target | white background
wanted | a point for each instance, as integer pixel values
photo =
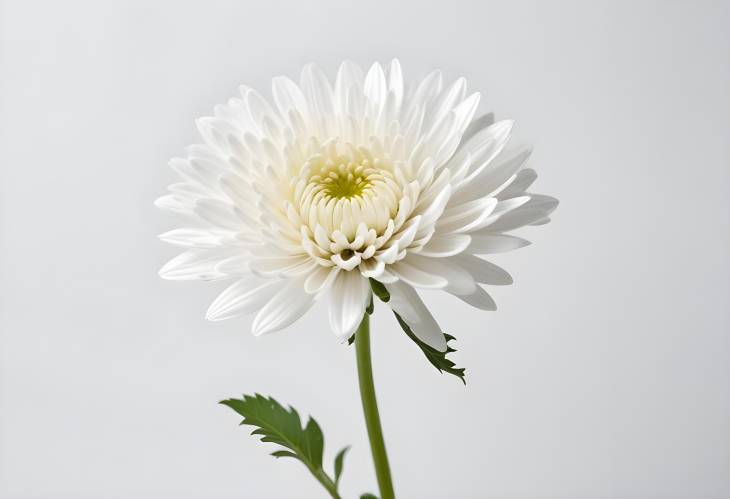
(604, 374)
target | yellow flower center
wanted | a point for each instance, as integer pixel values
(341, 186)
(342, 178)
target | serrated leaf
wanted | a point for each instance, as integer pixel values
(379, 290)
(284, 453)
(339, 463)
(276, 424)
(280, 425)
(436, 358)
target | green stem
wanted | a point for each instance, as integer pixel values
(326, 482)
(370, 408)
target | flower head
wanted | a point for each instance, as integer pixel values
(334, 184)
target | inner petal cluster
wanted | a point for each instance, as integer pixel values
(345, 200)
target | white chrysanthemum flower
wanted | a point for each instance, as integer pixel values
(335, 184)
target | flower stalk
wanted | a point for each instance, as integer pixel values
(329, 485)
(370, 409)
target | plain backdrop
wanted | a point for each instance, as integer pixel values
(604, 374)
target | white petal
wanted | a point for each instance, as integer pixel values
(445, 245)
(434, 211)
(515, 220)
(527, 214)
(459, 281)
(319, 94)
(448, 100)
(349, 77)
(258, 107)
(200, 176)
(372, 268)
(349, 297)
(483, 243)
(386, 277)
(388, 256)
(405, 237)
(479, 299)
(404, 300)
(542, 221)
(483, 148)
(417, 276)
(466, 217)
(395, 82)
(482, 271)
(219, 213)
(476, 126)
(320, 279)
(375, 90)
(493, 177)
(195, 264)
(520, 184)
(503, 208)
(214, 131)
(464, 112)
(547, 204)
(287, 96)
(439, 142)
(287, 265)
(426, 90)
(243, 297)
(193, 238)
(285, 307)
(175, 203)
(234, 266)
(348, 264)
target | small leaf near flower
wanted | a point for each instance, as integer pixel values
(339, 463)
(368, 496)
(379, 289)
(277, 424)
(436, 358)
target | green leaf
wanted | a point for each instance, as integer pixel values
(280, 425)
(379, 290)
(436, 358)
(339, 463)
(371, 306)
(368, 496)
(275, 424)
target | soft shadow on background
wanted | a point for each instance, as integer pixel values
(604, 374)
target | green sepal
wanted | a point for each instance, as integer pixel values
(379, 290)
(436, 358)
(368, 496)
